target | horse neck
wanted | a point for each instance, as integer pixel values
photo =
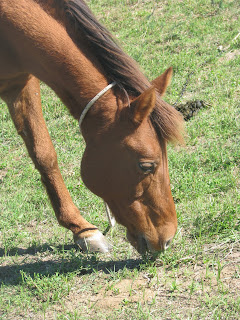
(51, 55)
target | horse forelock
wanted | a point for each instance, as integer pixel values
(119, 67)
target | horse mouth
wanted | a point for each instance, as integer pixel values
(139, 243)
(142, 245)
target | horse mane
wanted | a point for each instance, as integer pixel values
(119, 67)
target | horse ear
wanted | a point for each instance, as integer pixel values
(162, 82)
(143, 105)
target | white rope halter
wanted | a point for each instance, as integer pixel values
(91, 103)
(111, 219)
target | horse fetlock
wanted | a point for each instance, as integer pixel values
(96, 242)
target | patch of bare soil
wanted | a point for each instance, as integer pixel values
(230, 55)
(3, 173)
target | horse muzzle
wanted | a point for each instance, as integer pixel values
(143, 245)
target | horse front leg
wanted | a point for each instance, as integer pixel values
(23, 98)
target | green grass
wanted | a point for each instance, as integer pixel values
(43, 275)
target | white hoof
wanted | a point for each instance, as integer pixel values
(95, 243)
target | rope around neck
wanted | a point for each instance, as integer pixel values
(111, 219)
(91, 103)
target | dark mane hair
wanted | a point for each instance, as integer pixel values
(121, 68)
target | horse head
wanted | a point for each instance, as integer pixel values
(127, 166)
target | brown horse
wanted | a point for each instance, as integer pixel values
(126, 131)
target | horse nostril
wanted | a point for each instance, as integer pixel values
(167, 243)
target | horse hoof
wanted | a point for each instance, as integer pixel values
(95, 243)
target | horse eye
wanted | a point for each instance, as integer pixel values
(147, 167)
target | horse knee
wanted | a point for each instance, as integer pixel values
(45, 158)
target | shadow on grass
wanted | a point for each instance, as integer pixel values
(73, 261)
(33, 250)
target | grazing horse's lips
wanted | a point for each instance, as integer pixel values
(143, 245)
(140, 243)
